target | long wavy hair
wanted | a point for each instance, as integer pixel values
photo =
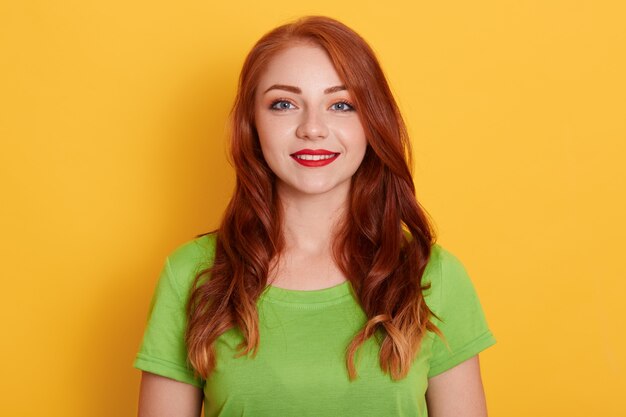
(382, 245)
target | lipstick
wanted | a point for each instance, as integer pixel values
(314, 157)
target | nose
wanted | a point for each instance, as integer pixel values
(312, 126)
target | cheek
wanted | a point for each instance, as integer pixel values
(266, 133)
(272, 141)
(271, 129)
(354, 136)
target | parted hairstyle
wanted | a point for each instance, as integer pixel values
(382, 244)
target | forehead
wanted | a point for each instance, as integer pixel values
(303, 65)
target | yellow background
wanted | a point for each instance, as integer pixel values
(112, 127)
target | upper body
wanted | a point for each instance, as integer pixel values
(311, 273)
(299, 369)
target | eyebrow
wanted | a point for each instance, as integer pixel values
(296, 90)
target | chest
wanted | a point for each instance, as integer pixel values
(300, 368)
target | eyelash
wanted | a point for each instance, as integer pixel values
(347, 103)
(280, 100)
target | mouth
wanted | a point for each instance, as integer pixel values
(314, 157)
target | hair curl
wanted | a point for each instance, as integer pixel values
(385, 225)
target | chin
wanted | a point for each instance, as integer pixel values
(316, 188)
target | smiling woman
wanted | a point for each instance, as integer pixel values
(304, 120)
(323, 292)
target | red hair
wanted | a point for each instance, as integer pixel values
(387, 273)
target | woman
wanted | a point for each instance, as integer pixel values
(323, 292)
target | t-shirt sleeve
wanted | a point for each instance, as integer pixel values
(462, 322)
(163, 350)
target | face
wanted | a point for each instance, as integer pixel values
(309, 131)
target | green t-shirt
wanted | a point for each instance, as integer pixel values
(299, 369)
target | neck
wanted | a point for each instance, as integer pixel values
(309, 221)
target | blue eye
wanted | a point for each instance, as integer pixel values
(342, 106)
(281, 105)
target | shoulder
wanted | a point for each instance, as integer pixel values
(458, 312)
(187, 260)
(446, 275)
(442, 263)
(198, 250)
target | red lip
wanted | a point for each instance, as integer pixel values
(313, 152)
(312, 163)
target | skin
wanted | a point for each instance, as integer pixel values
(301, 103)
(457, 392)
(165, 397)
(313, 198)
(305, 115)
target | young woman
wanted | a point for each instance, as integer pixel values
(323, 292)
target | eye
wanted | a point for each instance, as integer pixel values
(281, 105)
(342, 106)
